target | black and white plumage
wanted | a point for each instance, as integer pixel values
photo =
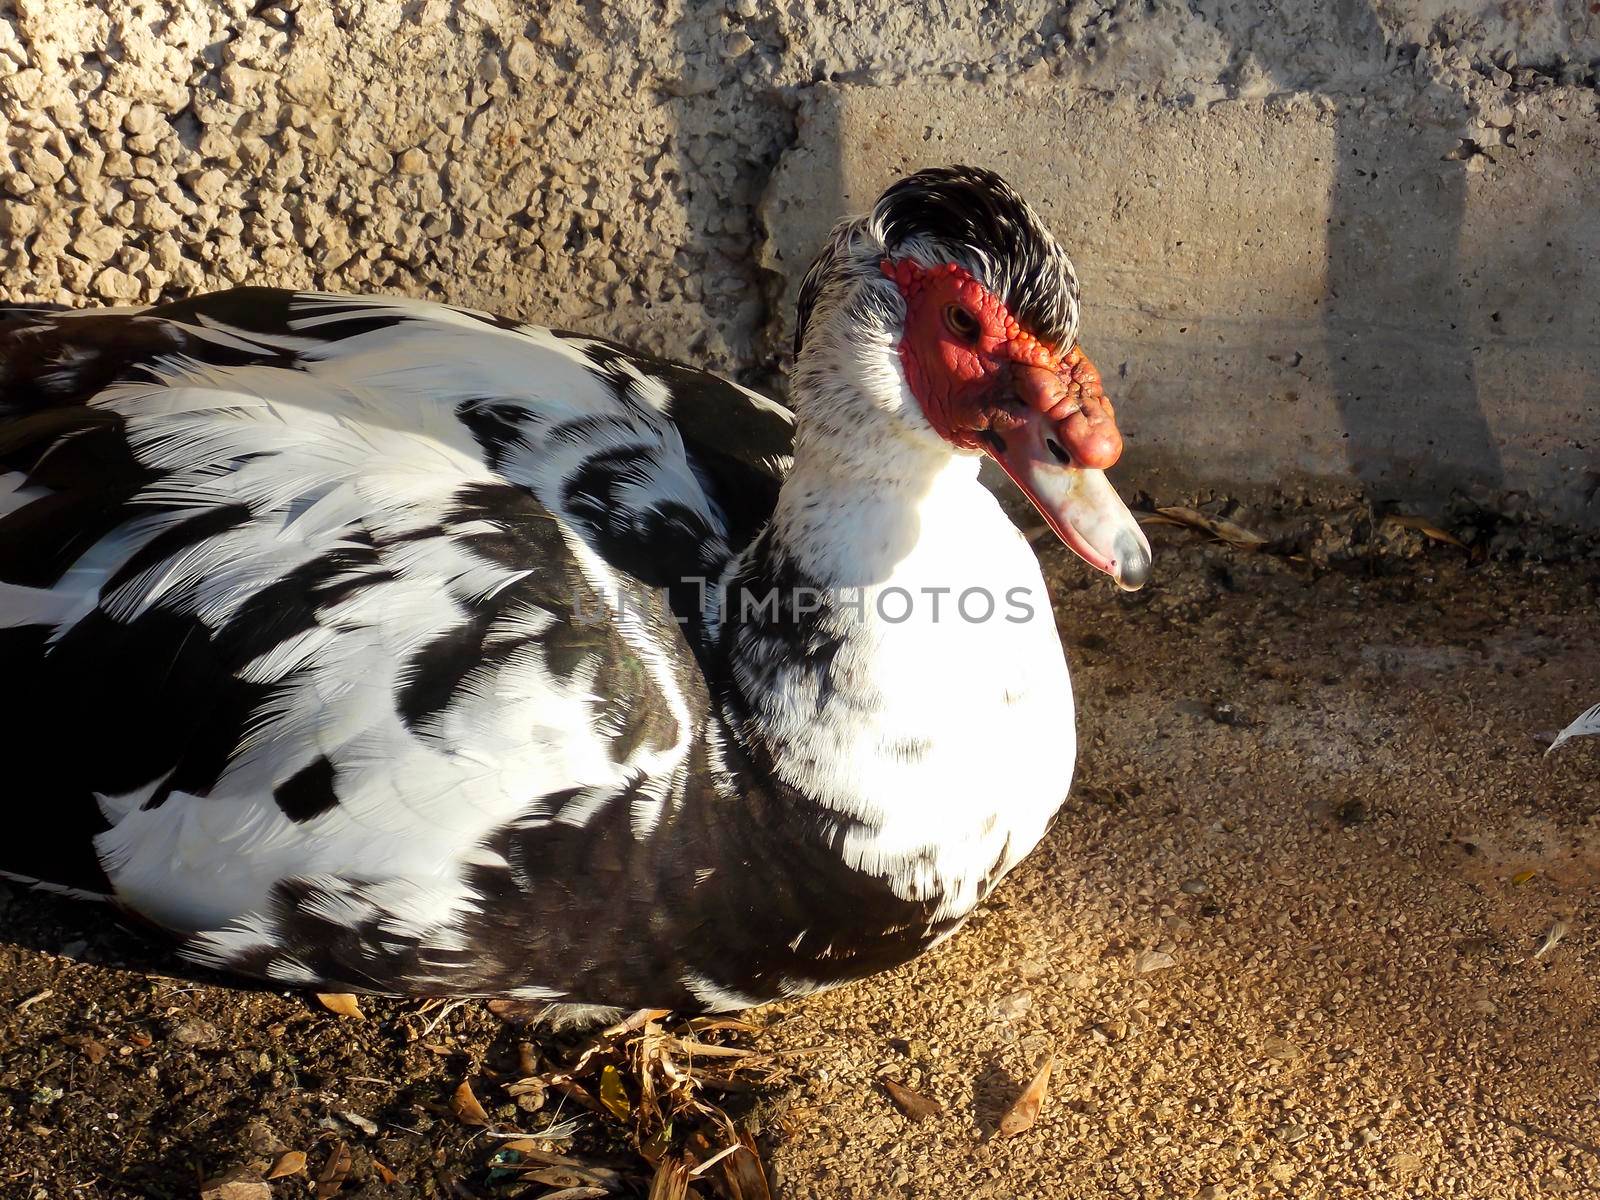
(382, 646)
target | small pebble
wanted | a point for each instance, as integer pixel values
(1152, 960)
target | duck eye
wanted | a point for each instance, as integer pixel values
(961, 323)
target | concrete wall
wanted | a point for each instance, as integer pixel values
(1286, 289)
(1341, 241)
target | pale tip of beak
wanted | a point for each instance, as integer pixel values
(1133, 563)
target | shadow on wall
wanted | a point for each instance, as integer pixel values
(1322, 283)
(1385, 393)
(730, 125)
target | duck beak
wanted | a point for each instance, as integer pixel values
(1055, 446)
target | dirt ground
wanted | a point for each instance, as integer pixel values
(1318, 919)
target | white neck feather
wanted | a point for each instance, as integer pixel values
(945, 736)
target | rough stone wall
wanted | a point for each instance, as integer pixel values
(588, 166)
(659, 172)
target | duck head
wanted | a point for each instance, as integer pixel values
(947, 320)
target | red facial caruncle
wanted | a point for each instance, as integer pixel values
(968, 362)
(985, 383)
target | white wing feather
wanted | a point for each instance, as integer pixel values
(1587, 725)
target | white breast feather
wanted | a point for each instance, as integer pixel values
(935, 825)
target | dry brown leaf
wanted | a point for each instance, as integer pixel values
(707, 1163)
(1223, 530)
(914, 1104)
(557, 1170)
(333, 1173)
(342, 1003)
(715, 1024)
(577, 1193)
(1020, 1116)
(650, 1078)
(537, 1159)
(1427, 529)
(744, 1176)
(634, 1022)
(290, 1162)
(94, 1051)
(528, 1094)
(739, 1174)
(241, 1183)
(557, 1177)
(530, 1149)
(671, 1180)
(725, 1083)
(384, 1173)
(466, 1107)
(709, 1049)
(517, 1012)
(526, 1145)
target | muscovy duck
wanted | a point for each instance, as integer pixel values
(376, 645)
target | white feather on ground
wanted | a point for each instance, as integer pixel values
(1587, 723)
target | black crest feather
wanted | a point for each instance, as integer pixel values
(971, 216)
(971, 212)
